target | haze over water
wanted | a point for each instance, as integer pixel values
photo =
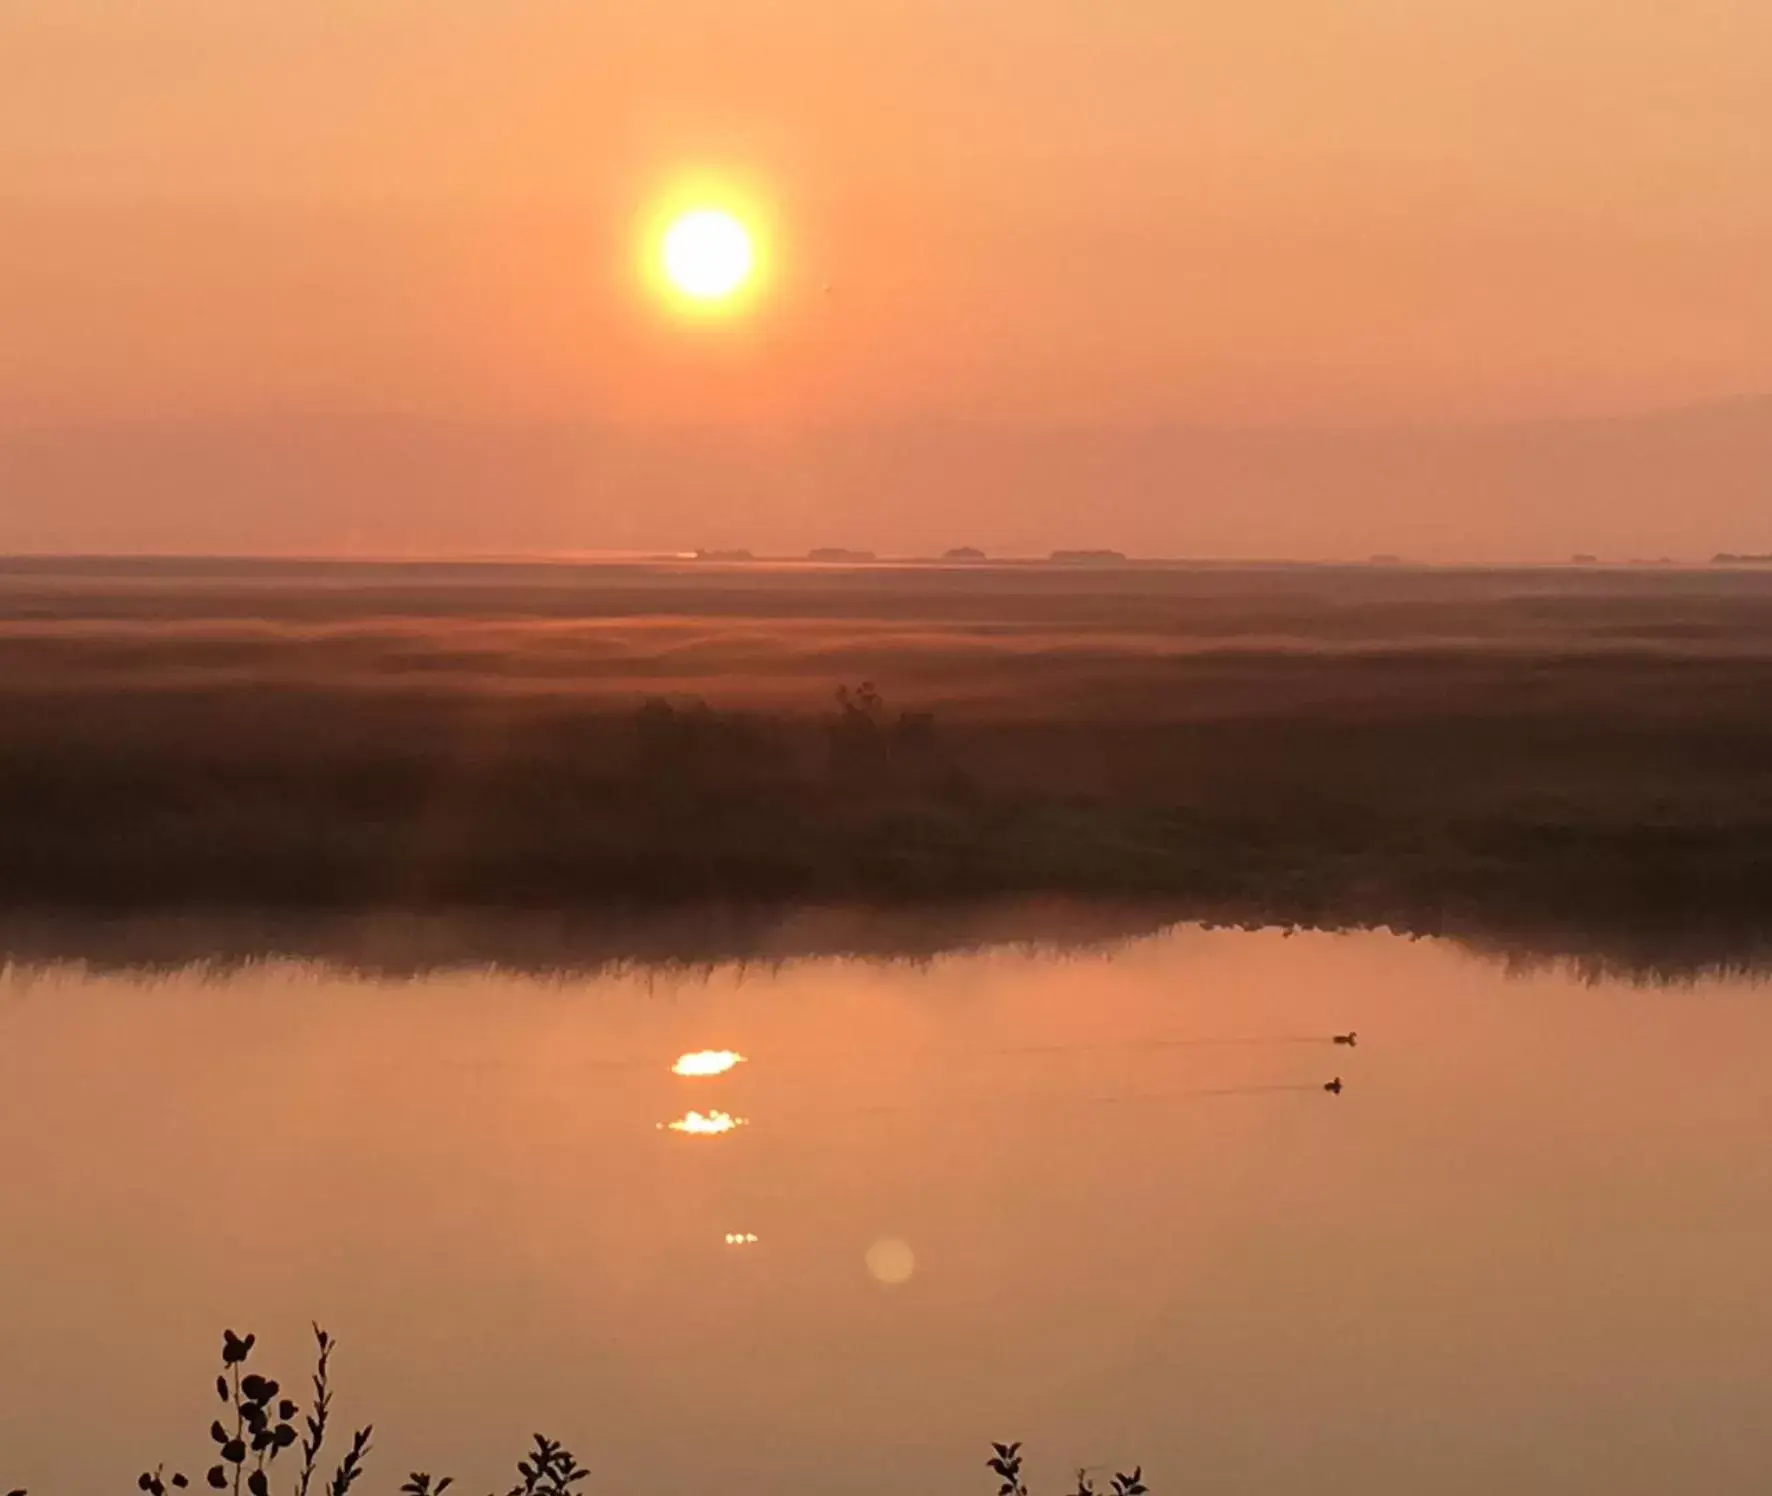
(1524, 1250)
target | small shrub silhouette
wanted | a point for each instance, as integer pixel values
(864, 735)
(1005, 1462)
(257, 1426)
(262, 1428)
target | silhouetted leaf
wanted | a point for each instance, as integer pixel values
(218, 1477)
(287, 1409)
(234, 1451)
(258, 1483)
(218, 1433)
(180, 1482)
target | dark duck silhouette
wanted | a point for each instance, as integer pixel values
(1350, 1038)
(1334, 1087)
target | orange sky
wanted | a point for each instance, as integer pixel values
(1032, 213)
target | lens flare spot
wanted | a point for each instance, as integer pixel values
(741, 1238)
(704, 1062)
(705, 1124)
(891, 1261)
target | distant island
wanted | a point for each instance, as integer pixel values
(739, 555)
(837, 553)
(1731, 558)
(964, 553)
(1089, 558)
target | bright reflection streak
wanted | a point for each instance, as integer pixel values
(705, 1124)
(707, 1062)
(741, 1238)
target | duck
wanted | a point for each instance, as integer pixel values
(1334, 1087)
(1350, 1038)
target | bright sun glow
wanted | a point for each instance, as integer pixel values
(708, 254)
(707, 1062)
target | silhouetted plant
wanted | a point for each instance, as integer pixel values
(864, 734)
(262, 1429)
(261, 1422)
(350, 1468)
(1005, 1461)
(550, 1469)
(316, 1435)
(857, 735)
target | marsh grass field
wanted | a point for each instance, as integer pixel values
(1578, 759)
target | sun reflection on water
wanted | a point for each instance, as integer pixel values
(704, 1062)
(705, 1124)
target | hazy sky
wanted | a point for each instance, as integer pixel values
(1028, 212)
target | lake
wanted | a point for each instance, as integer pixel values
(1100, 1203)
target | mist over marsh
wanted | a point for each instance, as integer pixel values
(1572, 757)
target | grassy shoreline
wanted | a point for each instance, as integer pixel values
(1565, 760)
(1604, 823)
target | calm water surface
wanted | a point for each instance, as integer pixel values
(1526, 1249)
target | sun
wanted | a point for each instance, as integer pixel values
(706, 246)
(708, 255)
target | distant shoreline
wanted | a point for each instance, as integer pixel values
(171, 564)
